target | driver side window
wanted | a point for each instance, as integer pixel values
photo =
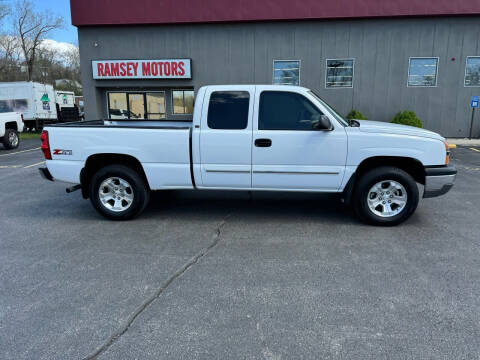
(282, 110)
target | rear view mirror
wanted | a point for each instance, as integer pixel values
(322, 124)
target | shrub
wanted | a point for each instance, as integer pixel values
(356, 115)
(407, 118)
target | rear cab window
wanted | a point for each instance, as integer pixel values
(228, 110)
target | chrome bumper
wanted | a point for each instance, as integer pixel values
(439, 180)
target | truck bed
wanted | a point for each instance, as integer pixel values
(163, 150)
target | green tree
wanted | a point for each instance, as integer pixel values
(407, 118)
(356, 115)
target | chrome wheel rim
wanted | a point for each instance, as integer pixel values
(13, 139)
(116, 194)
(387, 198)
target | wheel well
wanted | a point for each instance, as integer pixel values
(11, 125)
(98, 161)
(409, 165)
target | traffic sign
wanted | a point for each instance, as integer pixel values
(475, 102)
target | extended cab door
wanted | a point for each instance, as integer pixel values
(288, 152)
(226, 137)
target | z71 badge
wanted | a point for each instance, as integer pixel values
(62, 152)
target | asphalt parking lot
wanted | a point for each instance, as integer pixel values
(232, 276)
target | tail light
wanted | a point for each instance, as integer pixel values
(45, 145)
(23, 121)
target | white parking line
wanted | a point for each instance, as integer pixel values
(10, 166)
(29, 166)
(19, 152)
(474, 149)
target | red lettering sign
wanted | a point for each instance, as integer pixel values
(114, 69)
(146, 69)
(123, 70)
(141, 69)
(181, 71)
(100, 69)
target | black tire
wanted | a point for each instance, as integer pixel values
(374, 176)
(139, 188)
(11, 140)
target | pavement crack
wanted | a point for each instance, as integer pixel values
(183, 269)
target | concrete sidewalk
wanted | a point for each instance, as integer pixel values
(464, 141)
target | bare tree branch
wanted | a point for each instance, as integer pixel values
(31, 27)
(4, 11)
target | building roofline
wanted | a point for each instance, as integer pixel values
(151, 12)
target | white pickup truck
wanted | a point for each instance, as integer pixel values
(11, 123)
(251, 137)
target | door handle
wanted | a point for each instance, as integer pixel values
(263, 142)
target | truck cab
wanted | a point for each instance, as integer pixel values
(279, 138)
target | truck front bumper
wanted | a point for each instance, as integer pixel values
(439, 180)
(45, 173)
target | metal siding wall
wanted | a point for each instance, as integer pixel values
(244, 53)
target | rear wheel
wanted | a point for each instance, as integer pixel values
(119, 192)
(386, 196)
(11, 140)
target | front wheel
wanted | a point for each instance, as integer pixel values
(118, 192)
(11, 140)
(386, 196)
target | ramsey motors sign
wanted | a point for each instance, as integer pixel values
(142, 69)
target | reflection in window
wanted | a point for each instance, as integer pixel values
(282, 110)
(156, 106)
(286, 72)
(228, 110)
(117, 103)
(137, 106)
(422, 72)
(339, 73)
(183, 101)
(14, 105)
(472, 71)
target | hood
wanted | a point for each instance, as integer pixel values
(389, 128)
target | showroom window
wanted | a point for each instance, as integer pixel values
(228, 110)
(183, 101)
(286, 72)
(472, 71)
(339, 73)
(423, 72)
(283, 110)
(137, 105)
(156, 105)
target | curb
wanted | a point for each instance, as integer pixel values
(466, 142)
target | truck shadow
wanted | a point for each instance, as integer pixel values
(264, 205)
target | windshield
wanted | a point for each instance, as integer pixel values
(335, 114)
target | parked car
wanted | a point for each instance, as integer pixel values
(11, 123)
(247, 137)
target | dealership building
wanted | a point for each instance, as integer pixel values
(145, 59)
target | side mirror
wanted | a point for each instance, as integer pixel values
(322, 124)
